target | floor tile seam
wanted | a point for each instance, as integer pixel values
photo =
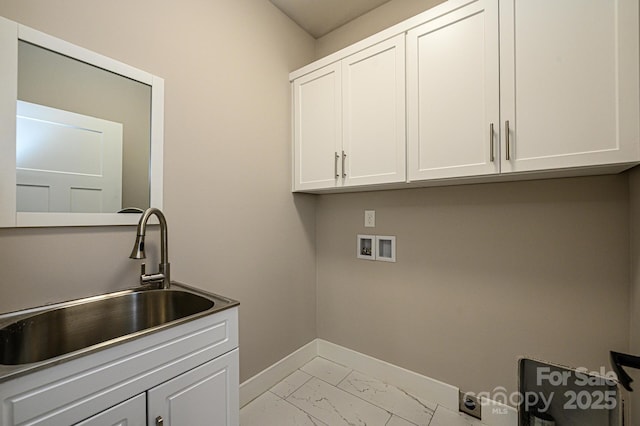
(407, 420)
(304, 411)
(321, 379)
(391, 384)
(351, 370)
(311, 376)
(335, 362)
(382, 408)
(356, 396)
(434, 415)
(391, 413)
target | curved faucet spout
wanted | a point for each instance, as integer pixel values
(138, 252)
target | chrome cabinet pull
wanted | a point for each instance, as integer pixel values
(507, 139)
(491, 149)
(335, 165)
(344, 160)
(159, 421)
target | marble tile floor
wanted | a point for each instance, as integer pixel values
(325, 393)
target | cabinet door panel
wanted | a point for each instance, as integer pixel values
(204, 396)
(569, 82)
(453, 94)
(132, 412)
(374, 114)
(317, 117)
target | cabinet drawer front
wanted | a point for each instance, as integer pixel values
(132, 412)
(76, 390)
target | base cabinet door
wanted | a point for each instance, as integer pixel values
(132, 412)
(204, 396)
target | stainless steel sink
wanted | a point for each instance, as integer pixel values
(88, 324)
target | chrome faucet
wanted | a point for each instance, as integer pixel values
(162, 276)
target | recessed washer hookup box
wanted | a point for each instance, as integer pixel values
(555, 395)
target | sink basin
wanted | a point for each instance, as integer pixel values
(81, 325)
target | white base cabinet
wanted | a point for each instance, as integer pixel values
(184, 375)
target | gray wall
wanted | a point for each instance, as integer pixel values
(234, 226)
(484, 274)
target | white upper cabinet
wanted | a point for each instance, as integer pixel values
(453, 94)
(373, 90)
(569, 83)
(317, 103)
(494, 90)
(349, 120)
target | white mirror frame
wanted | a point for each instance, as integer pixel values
(10, 33)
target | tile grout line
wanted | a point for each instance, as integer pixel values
(362, 399)
(304, 411)
(311, 376)
(351, 370)
(413, 397)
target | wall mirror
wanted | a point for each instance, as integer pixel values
(81, 135)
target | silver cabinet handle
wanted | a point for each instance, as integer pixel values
(507, 139)
(335, 165)
(344, 160)
(491, 149)
(159, 421)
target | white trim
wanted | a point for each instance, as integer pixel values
(54, 44)
(493, 413)
(270, 376)
(156, 162)
(8, 96)
(417, 384)
(10, 33)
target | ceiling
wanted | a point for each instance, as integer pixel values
(319, 17)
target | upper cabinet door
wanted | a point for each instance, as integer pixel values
(374, 115)
(569, 83)
(317, 117)
(453, 94)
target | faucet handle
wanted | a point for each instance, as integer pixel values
(143, 269)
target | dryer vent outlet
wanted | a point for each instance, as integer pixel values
(470, 405)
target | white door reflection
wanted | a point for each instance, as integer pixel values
(67, 162)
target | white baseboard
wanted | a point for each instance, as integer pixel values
(493, 413)
(267, 378)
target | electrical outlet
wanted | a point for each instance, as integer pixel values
(470, 405)
(369, 218)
